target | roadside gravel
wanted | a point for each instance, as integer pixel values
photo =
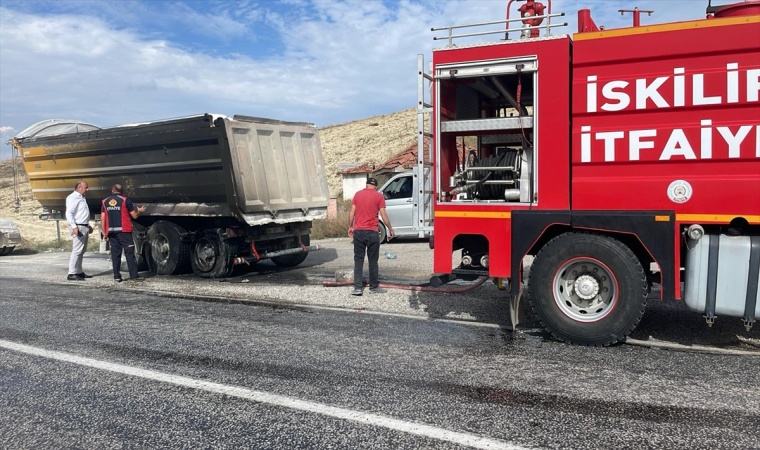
(301, 285)
(485, 305)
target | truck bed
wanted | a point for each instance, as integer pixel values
(257, 170)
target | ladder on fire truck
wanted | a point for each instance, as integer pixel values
(423, 179)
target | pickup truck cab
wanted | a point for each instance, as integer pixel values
(399, 204)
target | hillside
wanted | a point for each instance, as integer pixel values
(26, 217)
(374, 139)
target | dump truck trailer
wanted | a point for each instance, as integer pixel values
(218, 191)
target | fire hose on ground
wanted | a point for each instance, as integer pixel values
(426, 287)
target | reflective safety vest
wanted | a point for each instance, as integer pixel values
(115, 217)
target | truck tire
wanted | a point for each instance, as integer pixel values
(587, 289)
(294, 259)
(141, 257)
(168, 253)
(212, 256)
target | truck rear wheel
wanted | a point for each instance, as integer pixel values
(168, 253)
(587, 289)
(294, 259)
(141, 254)
(212, 256)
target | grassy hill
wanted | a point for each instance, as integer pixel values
(376, 139)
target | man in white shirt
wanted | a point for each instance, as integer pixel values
(78, 217)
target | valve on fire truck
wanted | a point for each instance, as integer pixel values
(531, 8)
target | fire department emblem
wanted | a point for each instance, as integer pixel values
(679, 191)
(112, 202)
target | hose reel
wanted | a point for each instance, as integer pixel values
(496, 177)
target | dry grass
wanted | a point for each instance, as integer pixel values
(375, 139)
(335, 228)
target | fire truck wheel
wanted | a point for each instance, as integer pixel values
(168, 253)
(587, 289)
(295, 259)
(212, 256)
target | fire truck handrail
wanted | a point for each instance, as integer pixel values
(422, 210)
(451, 36)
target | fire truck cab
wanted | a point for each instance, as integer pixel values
(621, 160)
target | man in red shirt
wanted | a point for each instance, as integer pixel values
(363, 228)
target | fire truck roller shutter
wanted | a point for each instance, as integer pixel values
(587, 289)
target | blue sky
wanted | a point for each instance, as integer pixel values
(110, 62)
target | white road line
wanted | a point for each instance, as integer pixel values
(466, 439)
(653, 343)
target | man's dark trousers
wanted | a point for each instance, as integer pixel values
(118, 242)
(369, 241)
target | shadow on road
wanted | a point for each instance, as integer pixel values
(674, 322)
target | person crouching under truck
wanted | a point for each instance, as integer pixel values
(117, 212)
(362, 226)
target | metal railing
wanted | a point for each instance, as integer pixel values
(548, 26)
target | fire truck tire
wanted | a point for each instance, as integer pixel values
(169, 254)
(212, 256)
(295, 259)
(587, 289)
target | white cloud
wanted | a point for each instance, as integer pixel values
(340, 61)
(219, 24)
(352, 61)
(6, 133)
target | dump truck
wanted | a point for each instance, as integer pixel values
(218, 191)
(618, 161)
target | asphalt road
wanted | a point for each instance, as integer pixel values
(90, 366)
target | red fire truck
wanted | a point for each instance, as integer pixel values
(616, 160)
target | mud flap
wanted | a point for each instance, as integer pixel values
(514, 308)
